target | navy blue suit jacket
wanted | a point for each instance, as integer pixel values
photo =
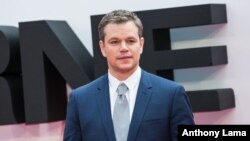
(161, 105)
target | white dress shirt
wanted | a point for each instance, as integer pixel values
(132, 83)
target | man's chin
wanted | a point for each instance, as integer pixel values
(126, 69)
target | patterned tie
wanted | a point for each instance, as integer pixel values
(121, 119)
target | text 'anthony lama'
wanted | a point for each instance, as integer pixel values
(215, 134)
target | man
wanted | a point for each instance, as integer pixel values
(127, 103)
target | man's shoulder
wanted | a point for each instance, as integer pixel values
(156, 79)
(93, 85)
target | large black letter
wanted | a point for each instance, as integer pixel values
(11, 93)
(51, 53)
(158, 57)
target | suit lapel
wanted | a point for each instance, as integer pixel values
(143, 97)
(103, 101)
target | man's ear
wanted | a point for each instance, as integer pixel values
(141, 44)
(102, 47)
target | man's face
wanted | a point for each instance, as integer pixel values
(122, 47)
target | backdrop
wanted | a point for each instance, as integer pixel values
(234, 34)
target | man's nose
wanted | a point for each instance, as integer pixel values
(124, 46)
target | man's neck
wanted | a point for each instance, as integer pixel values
(123, 75)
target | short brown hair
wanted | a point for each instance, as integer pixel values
(118, 17)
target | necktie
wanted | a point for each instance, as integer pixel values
(121, 119)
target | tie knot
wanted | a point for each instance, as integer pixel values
(122, 89)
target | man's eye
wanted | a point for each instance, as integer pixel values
(114, 42)
(131, 41)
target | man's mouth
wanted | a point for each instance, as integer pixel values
(124, 57)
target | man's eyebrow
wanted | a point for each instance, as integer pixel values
(113, 38)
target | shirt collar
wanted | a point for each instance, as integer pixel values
(131, 81)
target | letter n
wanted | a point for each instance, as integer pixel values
(51, 56)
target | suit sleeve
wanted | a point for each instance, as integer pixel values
(72, 131)
(181, 112)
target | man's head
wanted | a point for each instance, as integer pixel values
(121, 42)
(118, 17)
